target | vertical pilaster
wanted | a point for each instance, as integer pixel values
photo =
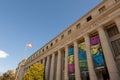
(58, 75)
(92, 73)
(52, 67)
(117, 21)
(111, 65)
(66, 64)
(47, 68)
(76, 61)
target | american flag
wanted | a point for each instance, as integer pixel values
(29, 45)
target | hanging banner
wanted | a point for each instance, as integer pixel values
(70, 51)
(71, 59)
(94, 40)
(82, 56)
(96, 51)
(71, 68)
(97, 55)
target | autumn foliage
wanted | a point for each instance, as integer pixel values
(35, 72)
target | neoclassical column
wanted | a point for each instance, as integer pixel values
(52, 67)
(47, 68)
(66, 64)
(76, 62)
(43, 62)
(58, 75)
(111, 65)
(92, 73)
(117, 21)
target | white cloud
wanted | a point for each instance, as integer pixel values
(3, 54)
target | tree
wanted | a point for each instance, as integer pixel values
(36, 72)
(9, 75)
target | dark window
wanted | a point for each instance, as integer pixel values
(56, 40)
(43, 50)
(51, 44)
(116, 47)
(47, 47)
(62, 36)
(112, 31)
(102, 9)
(89, 18)
(114, 38)
(78, 26)
(69, 32)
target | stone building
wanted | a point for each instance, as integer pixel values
(20, 70)
(89, 49)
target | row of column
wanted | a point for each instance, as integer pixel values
(110, 63)
(49, 69)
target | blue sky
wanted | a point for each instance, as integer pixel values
(36, 22)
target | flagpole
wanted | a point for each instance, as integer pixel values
(19, 66)
(25, 51)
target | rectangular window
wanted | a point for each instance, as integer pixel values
(116, 47)
(112, 31)
(56, 40)
(69, 32)
(62, 36)
(78, 26)
(42, 50)
(102, 9)
(89, 18)
(51, 44)
(47, 47)
(114, 38)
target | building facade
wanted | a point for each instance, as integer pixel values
(20, 70)
(89, 49)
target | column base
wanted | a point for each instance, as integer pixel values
(114, 76)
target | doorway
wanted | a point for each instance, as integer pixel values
(85, 75)
(102, 74)
(72, 76)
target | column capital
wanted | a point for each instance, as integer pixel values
(86, 36)
(100, 28)
(75, 41)
(66, 47)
